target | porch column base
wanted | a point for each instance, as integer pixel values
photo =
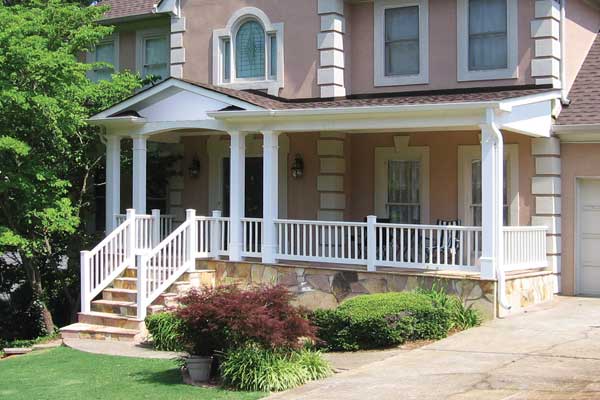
(488, 270)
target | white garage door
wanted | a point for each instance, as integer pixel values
(589, 237)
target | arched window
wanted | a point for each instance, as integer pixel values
(250, 50)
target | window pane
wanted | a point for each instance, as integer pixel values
(488, 44)
(404, 191)
(476, 190)
(250, 51)
(104, 52)
(402, 41)
(273, 63)
(156, 57)
(226, 60)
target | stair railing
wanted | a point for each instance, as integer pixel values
(163, 265)
(105, 262)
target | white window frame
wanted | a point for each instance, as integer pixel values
(401, 152)
(271, 82)
(380, 78)
(141, 37)
(91, 56)
(466, 156)
(512, 38)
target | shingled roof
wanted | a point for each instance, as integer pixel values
(127, 8)
(383, 99)
(584, 108)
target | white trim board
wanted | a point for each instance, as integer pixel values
(219, 149)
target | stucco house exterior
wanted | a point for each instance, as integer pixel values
(343, 147)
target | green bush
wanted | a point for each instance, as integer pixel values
(166, 330)
(381, 320)
(253, 368)
(462, 317)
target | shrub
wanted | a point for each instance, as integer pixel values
(256, 369)
(462, 317)
(381, 320)
(166, 330)
(229, 317)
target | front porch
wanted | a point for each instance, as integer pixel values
(416, 189)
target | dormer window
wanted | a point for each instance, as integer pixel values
(487, 39)
(247, 54)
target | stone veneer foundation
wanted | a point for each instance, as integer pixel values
(326, 287)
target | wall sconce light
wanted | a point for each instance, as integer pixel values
(194, 169)
(298, 167)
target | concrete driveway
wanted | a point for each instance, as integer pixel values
(551, 352)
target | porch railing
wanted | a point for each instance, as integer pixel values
(524, 247)
(152, 229)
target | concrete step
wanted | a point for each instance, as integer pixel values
(130, 272)
(109, 319)
(119, 294)
(124, 308)
(125, 283)
(98, 332)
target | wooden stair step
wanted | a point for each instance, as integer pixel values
(81, 330)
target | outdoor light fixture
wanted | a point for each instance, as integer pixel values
(297, 167)
(194, 168)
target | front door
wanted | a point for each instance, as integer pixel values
(589, 237)
(253, 187)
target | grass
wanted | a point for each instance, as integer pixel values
(65, 374)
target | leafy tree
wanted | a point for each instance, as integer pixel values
(48, 154)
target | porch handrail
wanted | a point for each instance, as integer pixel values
(524, 247)
(105, 262)
(164, 264)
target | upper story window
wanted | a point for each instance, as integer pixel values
(401, 42)
(153, 55)
(106, 52)
(248, 53)
(487, 39)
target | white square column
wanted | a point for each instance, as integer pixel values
(113, 181)
(270, 195)
(492, 176)
(237, 194)
(139, 174)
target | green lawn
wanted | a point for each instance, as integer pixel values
(65, 374)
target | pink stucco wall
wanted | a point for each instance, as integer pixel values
(302, 25)
(442, 50)
(583, 23)
(578, 160)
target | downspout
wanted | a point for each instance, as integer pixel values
(500, 274)
(563, 59)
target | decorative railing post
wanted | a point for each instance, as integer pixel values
(371, 242)
(131, 234)
(155, 228)
(192, 237)
(85, 281)
(215, 234)
(140, 263)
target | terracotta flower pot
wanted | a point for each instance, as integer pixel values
(199, 368)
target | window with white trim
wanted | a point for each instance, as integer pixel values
(470, 185)
(487, 39)
(106, 54)
(153, 55)
(402, 183)
(248, 53)
(401, 42)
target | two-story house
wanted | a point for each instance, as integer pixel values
(387, 139)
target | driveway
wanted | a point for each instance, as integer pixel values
(551, 352)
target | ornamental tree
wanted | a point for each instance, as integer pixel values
(48, 153)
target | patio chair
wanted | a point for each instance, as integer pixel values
(448, 244)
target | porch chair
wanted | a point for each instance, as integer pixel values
(449, 244)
